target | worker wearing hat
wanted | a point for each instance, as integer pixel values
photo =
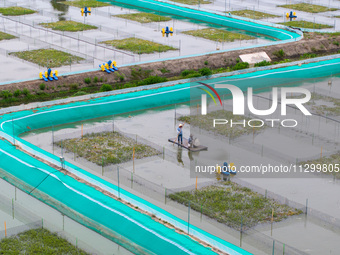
(179, 133)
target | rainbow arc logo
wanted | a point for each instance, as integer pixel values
(204, 97)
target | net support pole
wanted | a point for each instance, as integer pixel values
(118, 181)
(189, 218)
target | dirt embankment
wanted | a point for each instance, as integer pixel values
(311, 44)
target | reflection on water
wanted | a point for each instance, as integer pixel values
(179, 155)
(59, 6)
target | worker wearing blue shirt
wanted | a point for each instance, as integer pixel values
(179, 133)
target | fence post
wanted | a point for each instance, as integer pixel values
(102, 165)
(306, 206)
(53, 139)
(165, 196)
(189, 217)
(13, 208)
(118, 182)
(133, 157)
(273, 247)
(131, 179)
(5, 230)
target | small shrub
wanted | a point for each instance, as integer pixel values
(101, 79)
(336, 43)
(262, 63)
(308, 55)
(280, 53)
(17, 93)
(95, 79)
(241, 65)
(6, 94)
(205, 71)
(87, 80)
(121, 77)
(73, 86)
(79, 93)
(25, 91)
(152, 80)
(206, 62)
(164, 70)
(106, 87)
(42, 86)
(190, 74)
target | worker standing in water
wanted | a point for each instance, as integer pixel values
(180, 133)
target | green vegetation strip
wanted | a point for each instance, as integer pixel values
(253, 14)
(326, 165)
(305, 24)
(304, 7)
(138, 46)
(15, 11)
(85, 3)
(206, 122)
(232, 204)
(47, 57)
(107, 148)
(38, 241)
(192, 2)
(218, 35)
(325, 105)
(143, 17)
(70, 26)
(4, 36)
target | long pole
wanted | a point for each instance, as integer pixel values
(118, 182)
(188, 217)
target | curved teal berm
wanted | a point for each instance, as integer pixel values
(211, 18)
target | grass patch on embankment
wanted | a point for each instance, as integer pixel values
(305, 24)
(107, 148)
(67, 25)
(304, 7)
(218, 35)
(230, 204)
(5, 36)
(325, 105)
(253, 14)
(138, 46)
(325, 165)
(86, 3)
(48, 57)
(143, 17)
(38, 241)
(15, 11)
(206, 122)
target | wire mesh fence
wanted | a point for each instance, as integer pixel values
(18, 206)
(242, 229)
